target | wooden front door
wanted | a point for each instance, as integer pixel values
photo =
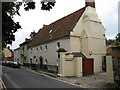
(88, 66)
(41, 62)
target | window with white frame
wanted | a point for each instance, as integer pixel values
(30, 50)
(37, 49)
(58, 45)
(46, 47)
(40, 48)
(50, 31)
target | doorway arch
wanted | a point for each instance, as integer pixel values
(41, 61)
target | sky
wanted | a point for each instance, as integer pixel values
(107, 11)
(119, 17)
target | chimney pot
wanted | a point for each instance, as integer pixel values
(44, 25)
(26, 39)
(33, 30)
(90, 3)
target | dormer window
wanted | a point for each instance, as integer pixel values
(58, 25)
(57, 28)
(50, 31)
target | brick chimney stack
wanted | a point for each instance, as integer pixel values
(90, 3)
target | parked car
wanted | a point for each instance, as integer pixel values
(8, 63)
(15, 64)
(3, 62)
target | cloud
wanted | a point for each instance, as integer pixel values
(34, 19)
(108, 13)
(119, 17)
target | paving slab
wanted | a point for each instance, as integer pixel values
(97, 80)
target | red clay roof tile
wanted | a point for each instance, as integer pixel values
(57, 29)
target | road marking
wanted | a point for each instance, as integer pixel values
(11, 81)
(4, 86)
(56, 78)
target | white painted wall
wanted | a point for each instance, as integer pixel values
(25, 52)
(110, 73)
(7, 52)
(70, 65)
(75, 44)
(51, 55)
(21, 58)
(17, 55)
(88, 37)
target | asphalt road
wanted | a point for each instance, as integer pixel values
(22, 78)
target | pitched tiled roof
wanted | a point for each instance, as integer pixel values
(77, 54)
(26, 42)
(57, 29)
(17, 49)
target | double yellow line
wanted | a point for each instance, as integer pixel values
(56, 79)
(2, 85)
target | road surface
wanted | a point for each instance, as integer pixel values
(22, 78)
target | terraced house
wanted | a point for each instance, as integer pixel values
(81, 32)
(21, 53)
(17, 55)
(8, 54)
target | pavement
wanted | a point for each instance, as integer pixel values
(97, 80)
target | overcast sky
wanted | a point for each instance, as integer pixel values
(119, 17)
(107, 11)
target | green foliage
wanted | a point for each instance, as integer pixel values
(118, 39)
(11, 8)
(9, 27)
(47, 5)
(29, 5)
(3, 55)
(110, 41)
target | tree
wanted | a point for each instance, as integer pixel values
(3, 55)
(110, 41)
(118, 39)
(47, 5)
(9, 26)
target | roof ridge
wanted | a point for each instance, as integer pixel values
(67, 15)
